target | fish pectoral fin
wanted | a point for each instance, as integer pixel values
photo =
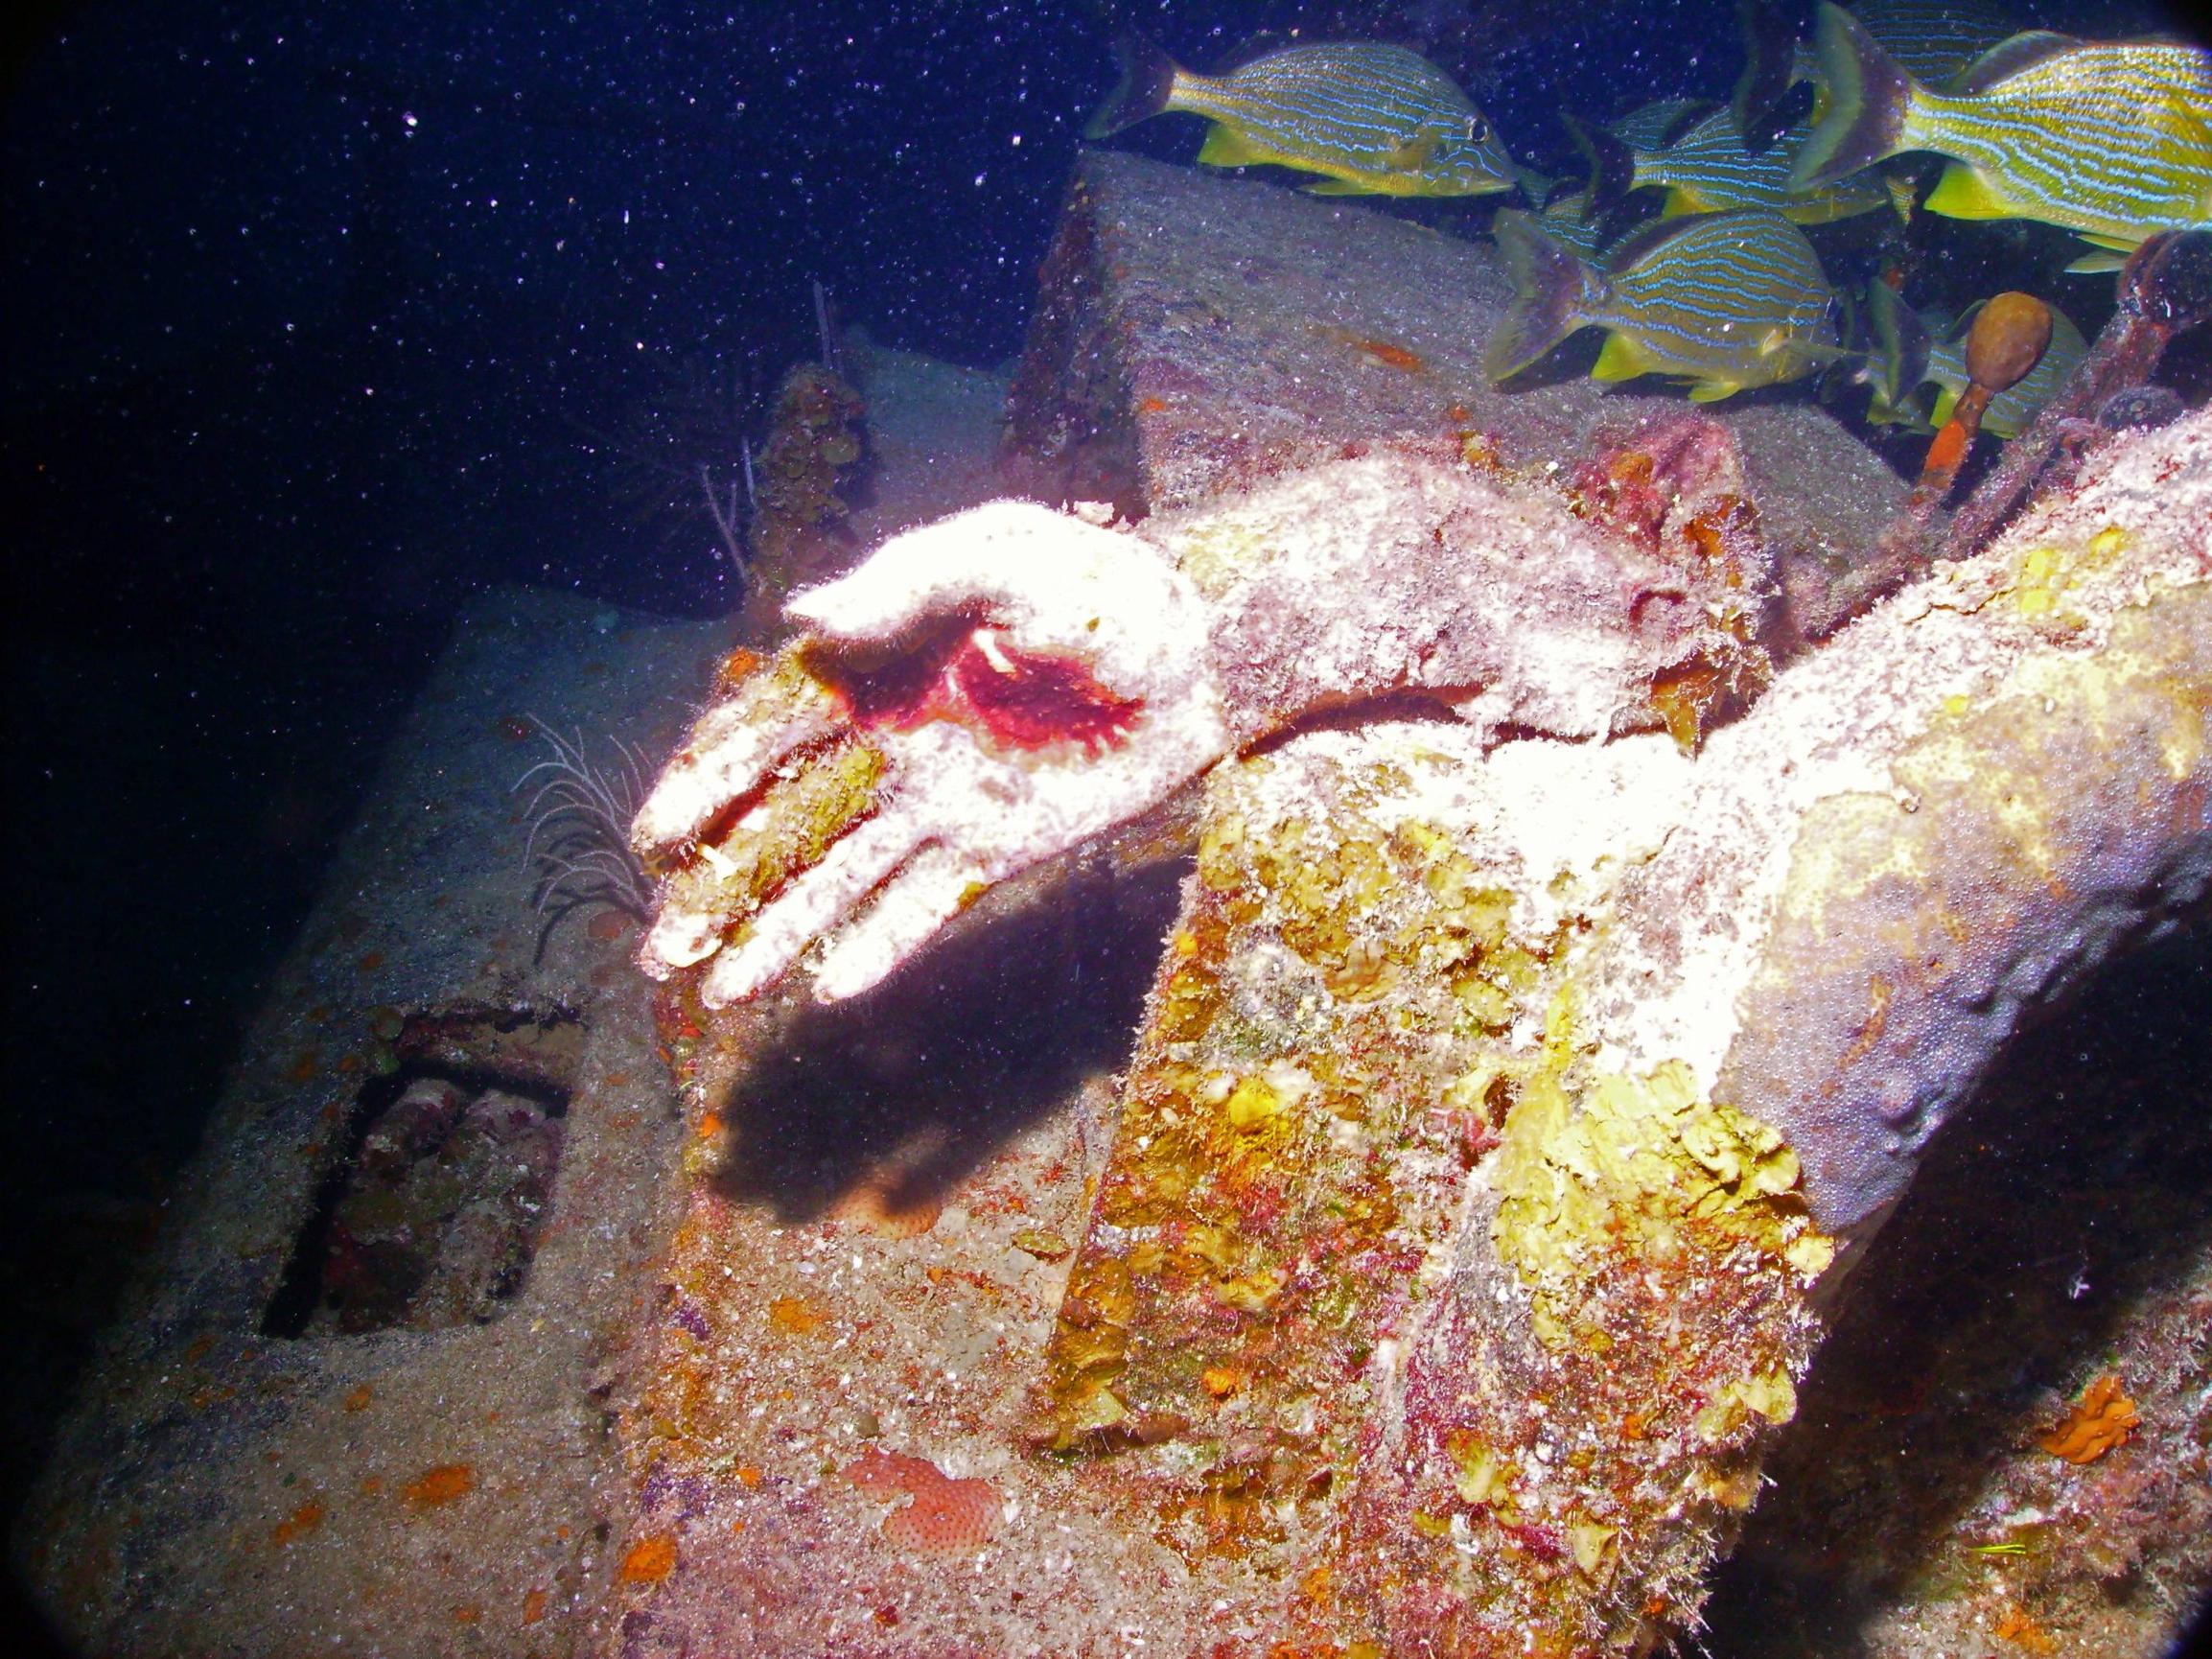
(1226, 147)
(1620, 360)
(1781, 339)
(1967, 193)
(1712, 390)
(1412, 155)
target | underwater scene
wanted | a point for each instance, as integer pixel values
(1293, 830)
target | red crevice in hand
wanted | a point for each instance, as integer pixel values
(1019, 699)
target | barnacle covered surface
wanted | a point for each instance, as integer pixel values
(1388, 1295)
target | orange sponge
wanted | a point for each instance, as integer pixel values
(942, 1517)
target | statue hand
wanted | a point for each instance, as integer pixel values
(979, 695)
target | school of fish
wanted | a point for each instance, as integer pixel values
(1720, 288)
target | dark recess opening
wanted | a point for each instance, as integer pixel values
(432, 1212)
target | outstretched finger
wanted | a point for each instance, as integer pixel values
(731, 750)
(916, 901)
(811, 907)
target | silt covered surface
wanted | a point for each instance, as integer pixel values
(1195, 335)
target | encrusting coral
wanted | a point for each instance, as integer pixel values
(1532, 1052)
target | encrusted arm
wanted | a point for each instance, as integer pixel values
(991, 689)
(1415, 572)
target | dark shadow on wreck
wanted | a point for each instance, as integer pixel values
(915, 1085)
(2068, 1211)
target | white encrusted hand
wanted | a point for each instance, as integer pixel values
(980, 693)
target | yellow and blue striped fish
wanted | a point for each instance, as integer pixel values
(2108, 140)
(1570, 221)
(1370, 119)
(1724, 300)
(1658, 124)
(1932, 40)
(1905, 352)
(1708, 169)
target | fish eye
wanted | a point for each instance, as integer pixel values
(1476, 129)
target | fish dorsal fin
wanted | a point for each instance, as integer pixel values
(1260, 43)
(2007, 57)
(1649, 237)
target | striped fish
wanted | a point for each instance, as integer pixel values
(1932, 40)
(1724, 300)
(2110, 141)
(1656, 124)
(2012, 410)
(1567, 219)
(1370, 119)
(1708, 169)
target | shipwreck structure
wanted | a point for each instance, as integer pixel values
(1562, 920)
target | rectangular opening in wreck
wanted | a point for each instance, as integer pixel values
(433, 1208)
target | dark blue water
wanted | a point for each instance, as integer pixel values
(308, 314)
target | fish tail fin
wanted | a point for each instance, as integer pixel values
(1901, 343)
(1147, 81)
(1770, 65)
(1612, 166)
(1869, 96)
(1552, 293)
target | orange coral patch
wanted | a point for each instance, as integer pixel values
(300, 1522)
(874, 1204)
(795, 1317)
(949, 1518)
(942, 1517)
(1391, 355)
(2018, 1628)
(441, 1484)
(650, 1559)
(2103, 1418)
